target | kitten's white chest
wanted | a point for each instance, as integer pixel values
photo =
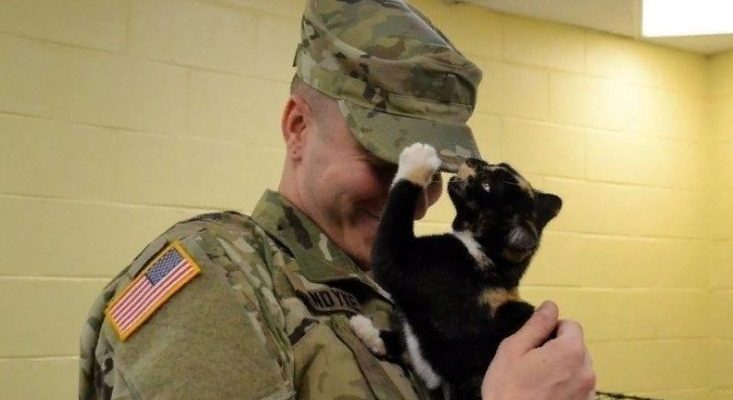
(473, 247)
(419, 363)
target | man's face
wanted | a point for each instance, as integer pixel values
(344, 188)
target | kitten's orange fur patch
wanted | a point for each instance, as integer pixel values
(495, 297)
(464, 171)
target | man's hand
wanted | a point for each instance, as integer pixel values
(527, 367)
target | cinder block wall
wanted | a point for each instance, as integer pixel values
(119, 118)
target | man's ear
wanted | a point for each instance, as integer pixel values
(296, 119)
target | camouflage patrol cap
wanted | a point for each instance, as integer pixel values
(397, 78)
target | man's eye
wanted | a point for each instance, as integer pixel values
(382, 167)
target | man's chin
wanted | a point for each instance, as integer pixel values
(362, 259)
(365, 226)
(361, 251)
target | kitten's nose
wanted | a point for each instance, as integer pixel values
(522, 239)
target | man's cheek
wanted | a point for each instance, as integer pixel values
(434, 189)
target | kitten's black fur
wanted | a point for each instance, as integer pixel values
(438, 285)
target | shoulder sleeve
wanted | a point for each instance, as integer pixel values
(221, 336)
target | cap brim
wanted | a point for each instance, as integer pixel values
(385, 135)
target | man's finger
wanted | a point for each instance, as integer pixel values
(569, 328)
(536, 330)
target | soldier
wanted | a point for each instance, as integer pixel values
(227, 306)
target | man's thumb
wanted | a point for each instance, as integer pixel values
(537, 328)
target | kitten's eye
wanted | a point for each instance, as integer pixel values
(486, 186)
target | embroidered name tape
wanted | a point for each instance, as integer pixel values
(326, 300)
(331, 300)
(163, 276)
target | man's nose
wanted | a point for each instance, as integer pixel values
(429, 196)
(422, 206)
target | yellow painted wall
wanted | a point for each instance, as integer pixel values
(721, 273)
(118, 118)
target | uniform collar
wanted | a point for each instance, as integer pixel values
(319, 259)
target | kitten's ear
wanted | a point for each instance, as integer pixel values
(548, 206)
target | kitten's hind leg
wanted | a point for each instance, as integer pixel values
(387, 344)
(369, 334)
(393, 343)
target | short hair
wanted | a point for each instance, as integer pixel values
(320, 103)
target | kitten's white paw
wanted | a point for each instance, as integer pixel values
(365, 330)
(418, 162)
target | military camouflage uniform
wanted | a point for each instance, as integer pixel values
(266, 319)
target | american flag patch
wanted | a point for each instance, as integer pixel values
(162, 278)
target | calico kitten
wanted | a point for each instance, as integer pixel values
(456, 293)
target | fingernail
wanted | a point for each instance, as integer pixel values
(545, 308)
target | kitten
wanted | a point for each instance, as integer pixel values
(456, 293)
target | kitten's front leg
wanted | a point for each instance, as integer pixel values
(418, 162)
(391, 258)
(417, 165)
